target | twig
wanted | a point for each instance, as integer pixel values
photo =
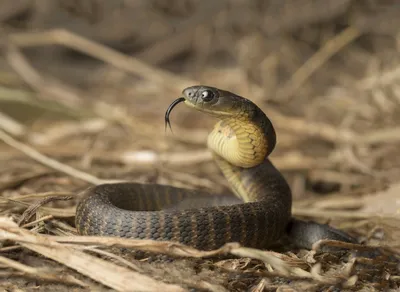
(389, 135)
(28, 97)
(380, 79)
(110, 255)
(31, 210)
(312, 129)
(341, 177)
(55, 212)
(152, 246)
(182, 36)
(67, 129)
(20, 179)
(63, 226)
(283, 267)
(170, 158)
(38, 196)
(65, 94)
(350, 157)
(11, 126)
(111, 275)
(44, 218)
(10, 248)
(119, 60)
(315, 62)
(331, 133)
(54, 164)
(317, 213)
(334, 243)
(41, 273)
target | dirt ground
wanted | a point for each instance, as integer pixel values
(84, 86)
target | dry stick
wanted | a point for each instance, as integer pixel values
(64, 227)
(38, 196)
(16, 95)
(280, 262)
(182, 37)
(318, 213)
(388, 135)
(292, 124)
(331, 133)
(55, 212)
(283, 267)
(31, 210)
(111, 275)
(293, 160)
(316, 61)
(147, 245)
(119, 60)
(9, 248)
(65, 94)
(320, 130)
(110, 255)
(42, 219)
(28, 97)
(61, 92)
(380, 79)
(29, 151)
(40, 273)
(47, 246)
(189, 282)
(58, 132)
(10, 125)
(133, 65)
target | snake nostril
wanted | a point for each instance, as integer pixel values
(190, 92)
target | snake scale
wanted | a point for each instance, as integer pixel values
(241, 142)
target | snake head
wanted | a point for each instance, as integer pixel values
(240, 118)
(214, 101)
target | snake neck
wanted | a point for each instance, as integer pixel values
(244, 140)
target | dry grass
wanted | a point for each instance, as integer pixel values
(328, 81)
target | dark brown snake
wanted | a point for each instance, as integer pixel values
(241, 142)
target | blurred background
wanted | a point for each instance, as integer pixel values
(86, 83)
(89, 78)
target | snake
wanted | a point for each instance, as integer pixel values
(257, 215)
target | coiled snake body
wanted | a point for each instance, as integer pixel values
(241, 142)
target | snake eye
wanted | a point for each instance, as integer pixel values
(207, 95)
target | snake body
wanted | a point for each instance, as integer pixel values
(240, 142)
